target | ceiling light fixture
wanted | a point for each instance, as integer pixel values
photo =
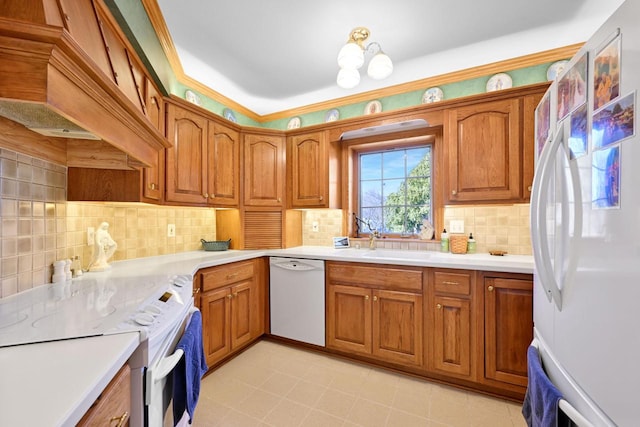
(351, 58)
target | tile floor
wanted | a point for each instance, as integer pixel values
(271, 384)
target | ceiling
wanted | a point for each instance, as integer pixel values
(276, 55)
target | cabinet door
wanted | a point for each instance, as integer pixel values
(242, 313)
(508, 322)
(153, 178)
(187, 159)
(528, 142)
(263, 170)
(308, 177)
(482, 149)
(216, 319)
(397, 327)
(349, 318)
(452, 335)
(113, 406)
(224, 166)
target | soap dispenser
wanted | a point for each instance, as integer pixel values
(471, 244)
(444, 241)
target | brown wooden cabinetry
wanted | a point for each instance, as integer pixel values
(452, 322)
(203, 164)
(375, 311)
(113, 406)
(482, 151)
(232, 302)
(508, 327)
(312, 171)
(264, 169)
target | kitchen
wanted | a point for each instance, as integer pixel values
(59, 226)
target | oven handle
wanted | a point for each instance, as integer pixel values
(166, 365)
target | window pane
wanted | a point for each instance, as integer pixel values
(393, 191)
(371, 166)
(394, 217)
(373, 216)
(418, 162)
(393, 164)
(370, 194)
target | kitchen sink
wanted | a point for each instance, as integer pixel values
(389, 254)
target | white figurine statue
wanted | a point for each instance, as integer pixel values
(104, 247)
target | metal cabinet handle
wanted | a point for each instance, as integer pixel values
(279, 200)
(152, 186)
(438, 306)
(321, 198)
(454, 192)
(121, 419)
(366, 297)
(205, 195)
(449, 283)
(230, 296)
(529, 188)
(490, 288)
(375, 298)
(196, 291)
(232, 276)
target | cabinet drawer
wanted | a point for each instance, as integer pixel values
(113, 406)
(225, 275)
(452, 283)
(387, 277)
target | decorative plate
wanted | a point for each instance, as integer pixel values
(556, 69)
(192, 97)
(373, 107)
(294, 123)
(332, 115)
(499, 81)
(229, 115)
(433, 94)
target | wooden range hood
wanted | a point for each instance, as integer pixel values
(53, 80)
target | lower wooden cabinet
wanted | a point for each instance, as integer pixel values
(375, 312)
(113, 406)
(452, 323)
(508, 327)
(232, 302)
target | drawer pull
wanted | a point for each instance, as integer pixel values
(205, 195)
(121, 419)
(375, 298)
(232, 276)
(490, 288)
(438, 306)
(196, 291)
(230, 296)
(446, 282)
(366, 297)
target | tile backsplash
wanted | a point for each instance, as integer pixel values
(503, 227)
(38, 225)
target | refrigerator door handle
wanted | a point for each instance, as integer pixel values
(539, 236)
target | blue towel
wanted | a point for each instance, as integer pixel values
(540, 406)
(189, 370)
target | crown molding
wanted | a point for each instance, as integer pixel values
(160, 27)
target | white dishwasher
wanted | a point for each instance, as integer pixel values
(297, 299)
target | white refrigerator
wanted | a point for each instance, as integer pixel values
(585, 226)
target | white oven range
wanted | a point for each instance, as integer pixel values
(108, 303)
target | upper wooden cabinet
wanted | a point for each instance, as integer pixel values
(482, 152)
(312, 171)
(223, 151)
(264, 169)
(203, 164)
(489, 147)
(187, 162)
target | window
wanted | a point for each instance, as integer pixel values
(395, 189)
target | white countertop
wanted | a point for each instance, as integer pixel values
(55, 383)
